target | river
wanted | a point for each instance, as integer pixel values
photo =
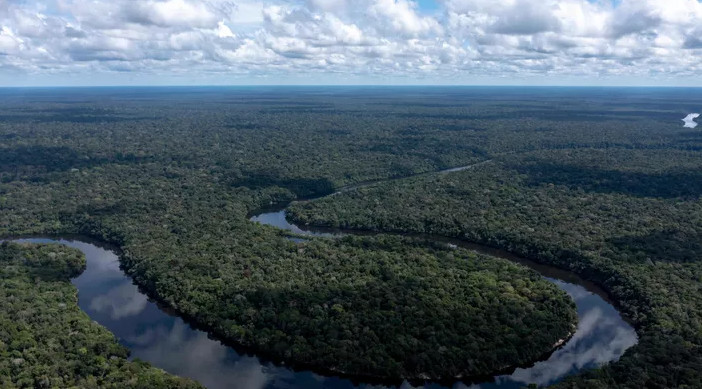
(156, 335)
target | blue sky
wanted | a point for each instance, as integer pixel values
(428, 6)
(453, 42)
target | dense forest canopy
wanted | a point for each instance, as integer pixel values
(171, 174)
(628, 219)
(46, 341)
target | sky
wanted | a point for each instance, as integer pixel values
(378, 42)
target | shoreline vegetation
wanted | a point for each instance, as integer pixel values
(553, 308)
(476, 204)
(171, 183)
(47, 341)
(212, 331)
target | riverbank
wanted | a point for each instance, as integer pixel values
(221, 363)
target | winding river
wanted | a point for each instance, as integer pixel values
(156, 335)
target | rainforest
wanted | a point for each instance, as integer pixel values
(599, 185)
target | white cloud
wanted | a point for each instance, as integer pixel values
(247, 12)
(178, 13)
(223, 31)
(403, 17)
(9, 43)
(514, 39)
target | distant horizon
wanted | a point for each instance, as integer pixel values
(350, 86)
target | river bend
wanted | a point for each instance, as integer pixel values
(156, 335)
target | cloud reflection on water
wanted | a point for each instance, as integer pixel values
(169, 343)
(602, 336)
(193, 354)
(120, 302)
(581, 351)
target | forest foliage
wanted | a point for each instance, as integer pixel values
(616, 217)
(171, 176)
(46, 341)
(172, 184)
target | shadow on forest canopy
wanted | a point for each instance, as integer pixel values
(682, 183)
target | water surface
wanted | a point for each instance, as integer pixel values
(690, 120)
(602, 335)
(155, 335)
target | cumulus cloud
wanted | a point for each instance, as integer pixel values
(171, 13)
(403, 17)
(373, 38)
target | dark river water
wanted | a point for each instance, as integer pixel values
(153, 334)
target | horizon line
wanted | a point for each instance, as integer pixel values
(348, 85)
